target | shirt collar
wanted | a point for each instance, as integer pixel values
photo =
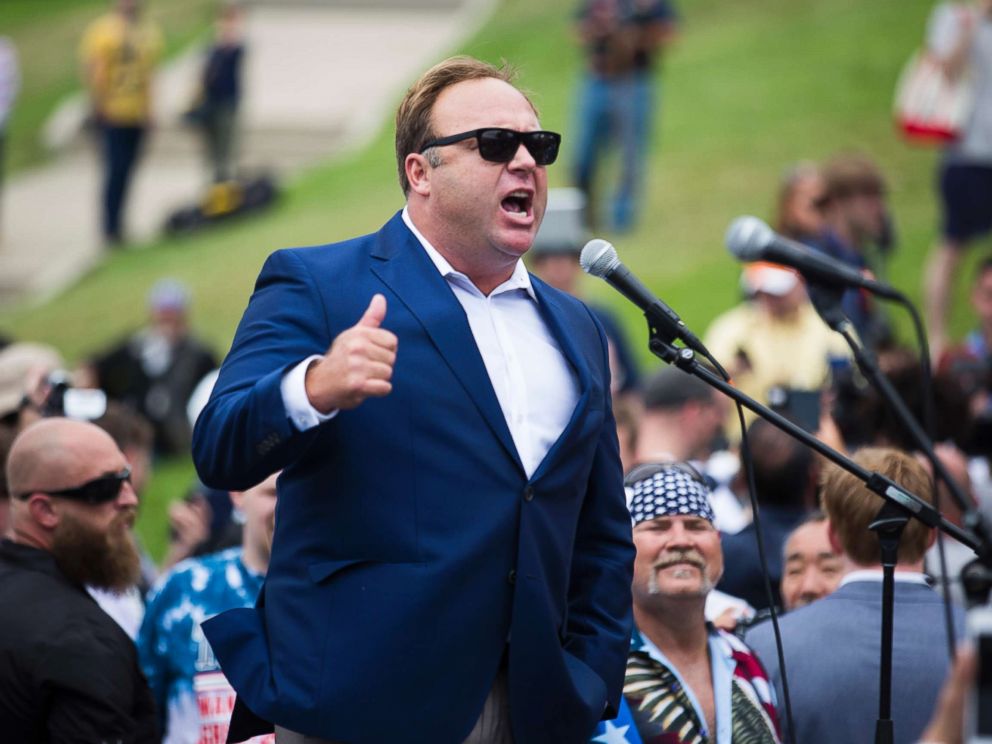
(520, 279)
(719, 648)
(874, 574)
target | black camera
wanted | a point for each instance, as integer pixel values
(62, 399)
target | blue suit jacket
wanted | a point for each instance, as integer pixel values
(832, 650)
(411, 550)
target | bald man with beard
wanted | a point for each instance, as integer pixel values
(69, 673)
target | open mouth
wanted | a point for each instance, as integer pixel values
(518, 203)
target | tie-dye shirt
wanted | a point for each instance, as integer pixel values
(193, 696)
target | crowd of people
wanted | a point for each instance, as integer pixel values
(428, 469)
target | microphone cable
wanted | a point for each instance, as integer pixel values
(930, 427)
(752, 490)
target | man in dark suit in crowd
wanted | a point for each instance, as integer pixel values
(832, 645)
(452, 556)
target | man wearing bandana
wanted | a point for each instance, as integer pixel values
(687, 682)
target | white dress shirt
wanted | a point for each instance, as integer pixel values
(875, 574)
(534, 383)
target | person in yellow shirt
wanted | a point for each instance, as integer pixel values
(119, 52)
(775, 339)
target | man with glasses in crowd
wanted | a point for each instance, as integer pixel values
(452, 551)
(71, 673)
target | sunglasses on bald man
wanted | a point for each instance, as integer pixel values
(97, 491)
(498, 145)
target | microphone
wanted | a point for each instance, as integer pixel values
(750, 239)
(599, 258)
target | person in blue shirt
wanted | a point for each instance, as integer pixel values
(623, 41)
(193, 696)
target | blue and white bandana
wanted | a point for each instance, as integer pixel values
(667, 491)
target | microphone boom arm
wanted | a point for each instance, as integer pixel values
(685, 359)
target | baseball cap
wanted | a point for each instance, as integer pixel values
(168, 294)
(768, 278)
(670, 387)
(563, 231)
(17, 361)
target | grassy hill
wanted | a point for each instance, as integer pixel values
(750, 88)
(46, 34)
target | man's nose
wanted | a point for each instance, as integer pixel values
(812, 585)
(522, 158)
(679, 537)
(128, 496)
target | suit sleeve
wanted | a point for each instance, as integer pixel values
(244, 434)
(600, 615)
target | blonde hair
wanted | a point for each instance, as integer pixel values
(851, 507)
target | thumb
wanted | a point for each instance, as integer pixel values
(375, 313)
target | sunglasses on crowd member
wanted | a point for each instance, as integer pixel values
(97, 491)
(649, 469)
(498, 145)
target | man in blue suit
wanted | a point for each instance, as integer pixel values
(832, 646)
(452, 556)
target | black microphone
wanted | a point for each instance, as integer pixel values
(599, 258)
(750, 239)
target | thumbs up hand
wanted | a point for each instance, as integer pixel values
(358, 365)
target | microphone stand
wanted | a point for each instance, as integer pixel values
(900, 505)
(976, 576)
(827, 301)
(890, 491)
(888, 525)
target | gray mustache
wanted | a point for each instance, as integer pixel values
(691, 557)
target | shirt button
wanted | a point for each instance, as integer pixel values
(528, 494)
(512, 576)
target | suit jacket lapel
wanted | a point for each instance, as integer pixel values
(402, 264)
(554, 315)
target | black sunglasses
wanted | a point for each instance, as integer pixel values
(498, 145)
(97, 491)
(649, 469)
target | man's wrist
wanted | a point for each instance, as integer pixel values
(300, 411)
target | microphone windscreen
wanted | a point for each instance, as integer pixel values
(747, 238)
(598, 257)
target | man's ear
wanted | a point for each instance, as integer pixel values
(834, 540)
(43, 511)
(418, 173)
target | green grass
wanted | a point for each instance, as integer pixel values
(748, 89)
(46, 34)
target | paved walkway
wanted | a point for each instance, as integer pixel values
(320, 77)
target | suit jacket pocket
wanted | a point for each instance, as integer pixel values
(324, 570)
